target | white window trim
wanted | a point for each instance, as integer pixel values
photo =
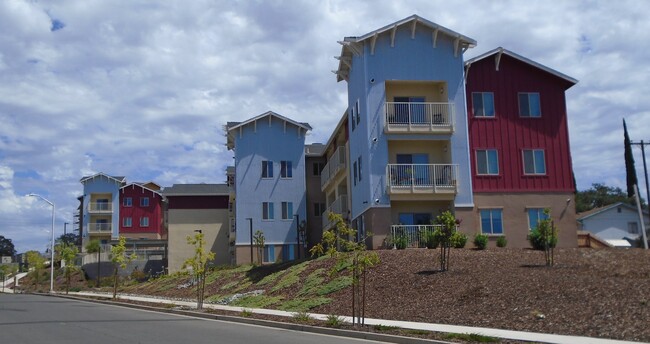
(494, 110)
(523, 161)
(488, 164)
(529, 112)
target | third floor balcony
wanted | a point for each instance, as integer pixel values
(100, 207)
(422, 179)
(416, 117)
(339, 206)
(335, 166)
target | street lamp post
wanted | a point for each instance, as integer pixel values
(297, 216)
(51, 242)
(250, 227)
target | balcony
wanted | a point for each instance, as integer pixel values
(405, 117)
(334, 167)
(339, 206)
(100, 228)
(415, 235)
(100, 208)
(422, 179)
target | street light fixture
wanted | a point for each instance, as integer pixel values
(51, 242)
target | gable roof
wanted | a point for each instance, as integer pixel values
(120, 179)
(501, 51)
(593, 212)
(351, 46)
(197, 190)
(230, 126)
(143, 186)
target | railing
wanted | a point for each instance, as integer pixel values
(335, 164)
(100, 207)
(422, 177)
(99, 227)
(339, 206)
(406, 116)
(415, 235)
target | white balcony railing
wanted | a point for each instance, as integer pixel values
(415, 235)
(100, 207)
(99, 227)
(335, 164)
(419, 117)
(434, 178)
(339, 206)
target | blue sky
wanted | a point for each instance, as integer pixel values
(142, 89)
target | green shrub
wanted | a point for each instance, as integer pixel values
(431, 239)
(401, 242)
(537, 240)
(301, 316)
(481, 241)
(246, 313)
(333, 320)
(75, 289)
(502, 241)
(458, 240)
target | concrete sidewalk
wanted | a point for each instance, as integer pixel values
(11, 281)
(506, 334)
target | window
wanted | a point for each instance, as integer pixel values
(487, 162)
(285, 169)
(288, 252)
(287, 210)
(534, 161)
(269, 254)
(359, 160)
(144, 221)
(357, 112)
(127, 201)
(633, 228)
(352, 119)
(319, 209)
(267, 169)
(317, 168)
(529, 105)
(483, 104)
(127, 222)
(534, 216)
(491, 221)
(144, 201)
(267, 210)
(355, 172)
(103, 205)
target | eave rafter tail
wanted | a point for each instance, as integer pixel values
(373, 40)
(392, 36)
(497, 59)
(434, 36)
(346, 60)
(355, 48)
(413, 25)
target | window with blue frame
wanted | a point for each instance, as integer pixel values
(127, 202)
(269, 254)
(483, 104)
(487, 162)
(144, 201)
(288, 252)
(353, 118)
(534, 162)
(285, 169)
(534, 216)
(529, 105)
(267, 169)
(287, 210)
(358, 113)
(267, 210)
(491, 221)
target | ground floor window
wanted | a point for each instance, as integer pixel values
(288, 252)
(269, 254)
(534, 216)
(491, 221)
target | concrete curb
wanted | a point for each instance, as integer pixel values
(261, 322)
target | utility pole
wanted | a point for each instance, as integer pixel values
(65, 224)
(645, 169)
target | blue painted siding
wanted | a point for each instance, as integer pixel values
(409, 59)
(264, 142)
(103, 185)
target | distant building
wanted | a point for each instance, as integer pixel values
(100, 207)
(617, 224)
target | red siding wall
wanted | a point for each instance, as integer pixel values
(510, 134)
(154, 211)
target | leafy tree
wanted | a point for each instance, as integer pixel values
(353, 256)
(37, 262)
(544, 237)
(120, 260)
(69, 239)
(630, 171)
(68, 253)
(93, 246)
(199, 264)
(447, 223)
(600, 195)
(258, 241)
(6, 247)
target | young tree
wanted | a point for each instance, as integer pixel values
(352, 254)
(36, 261)
(447, 223)
(68, 253)
(120, 260)
(94, 246)
(199, 264)
(547, 237)
(259, 240)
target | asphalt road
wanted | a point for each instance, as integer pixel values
(40, 319)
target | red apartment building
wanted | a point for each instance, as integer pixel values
(141, 212)
(519, 147)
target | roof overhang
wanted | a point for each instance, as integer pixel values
(353, 46)
(232, 127)
(102, 175)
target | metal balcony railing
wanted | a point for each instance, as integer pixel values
(99, 227)
(407, 116)
(422, 177)
(339, 206)
(335, 164)
(100, 207)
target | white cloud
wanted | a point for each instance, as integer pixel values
(143, 89)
